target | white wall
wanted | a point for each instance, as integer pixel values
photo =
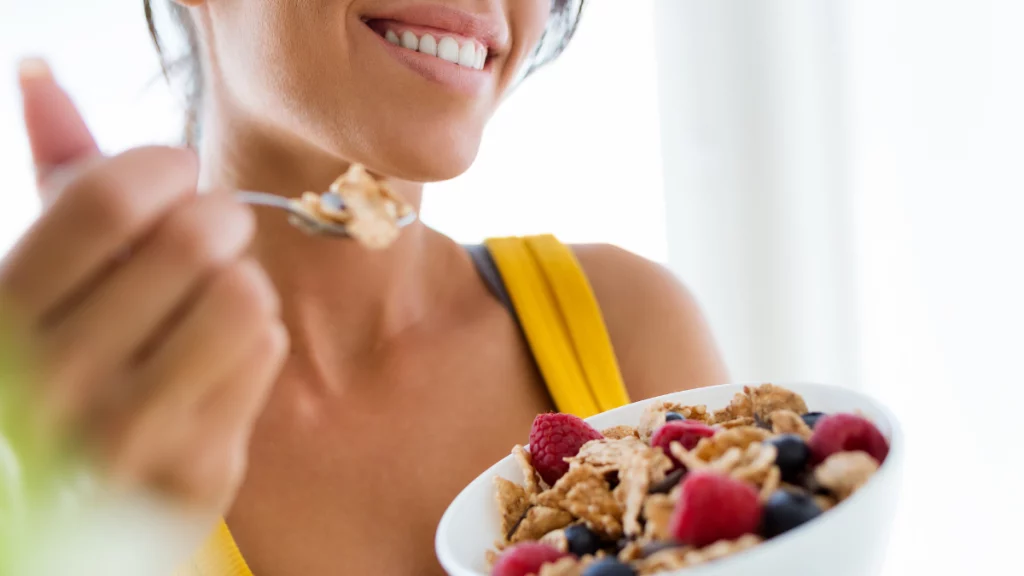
(753, 104)
(939, 138)
(844, 191)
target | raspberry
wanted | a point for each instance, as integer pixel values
(847, 433)
(525, 559)
(686, 432)
(555, 437)
(714, 507)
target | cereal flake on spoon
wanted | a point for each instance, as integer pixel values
(370, 209)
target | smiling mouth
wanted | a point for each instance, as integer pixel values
(452, 48)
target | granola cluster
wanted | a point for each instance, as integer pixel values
(623, 498)
(371, 209)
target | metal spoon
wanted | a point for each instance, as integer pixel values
(304, 220)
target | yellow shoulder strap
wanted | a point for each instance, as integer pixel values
(565, 330)
(562, 323)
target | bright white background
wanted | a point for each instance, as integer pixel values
(839, 182)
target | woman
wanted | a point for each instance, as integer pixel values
(329, 400)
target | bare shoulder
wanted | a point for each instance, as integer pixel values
(659, 333)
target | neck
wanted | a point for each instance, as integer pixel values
(333, 290)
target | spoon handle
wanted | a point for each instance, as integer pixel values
(264, 199)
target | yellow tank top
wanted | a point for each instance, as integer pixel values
(566, 333)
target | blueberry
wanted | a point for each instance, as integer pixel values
(666, 485)
(582, 540)
(792, 455)
(609, 567)
(620, 545)
(786, 510)
(811, 418)
(673, 416)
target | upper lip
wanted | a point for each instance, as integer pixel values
(489, 29)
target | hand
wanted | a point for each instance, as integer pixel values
(154, 336)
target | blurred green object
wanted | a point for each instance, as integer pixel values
(14, 434)
(33, 466)
(58, 516)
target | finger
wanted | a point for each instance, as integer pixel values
(57, 134)
(159, 419)
(239, 301)
(238, 402)
(105, 332)
(104, 211)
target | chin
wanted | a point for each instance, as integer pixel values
(428, 166)
(419, 154)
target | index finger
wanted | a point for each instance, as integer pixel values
(57, 133)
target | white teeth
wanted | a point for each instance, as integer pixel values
(448, 49)
(467, 55)
(428, 45)
(410, 41)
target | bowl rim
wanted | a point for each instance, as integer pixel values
(894, 459)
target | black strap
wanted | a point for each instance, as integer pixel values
(489, 273)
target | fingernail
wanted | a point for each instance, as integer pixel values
(34, 69)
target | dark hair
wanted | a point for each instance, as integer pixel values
(562, 24)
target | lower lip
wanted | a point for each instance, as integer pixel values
(467, 81)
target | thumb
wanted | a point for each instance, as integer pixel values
(57, 134)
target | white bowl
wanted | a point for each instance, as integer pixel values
(849, 540)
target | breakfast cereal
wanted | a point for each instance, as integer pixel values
(684, 487)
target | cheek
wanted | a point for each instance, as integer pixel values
(318, 73)
(264, 52)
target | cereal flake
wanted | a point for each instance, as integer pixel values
(530, 475)
(710, 449)
(721, 549)
(620, 432)
(538, 521)
(370, 208)
(584, 493)
(490, 557)
(844, 472)
(567, 566)
(663, 561)
(556, 539)
(789, 422)
(653, 416)
(739, 407)
(616, 454)
(657, 512)
(634, 550)
(634, 482)
(756, 463)
(727, 462)
(768, 398)
(688, 459)
(737, 422)
(771, 483)
(513, 502)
